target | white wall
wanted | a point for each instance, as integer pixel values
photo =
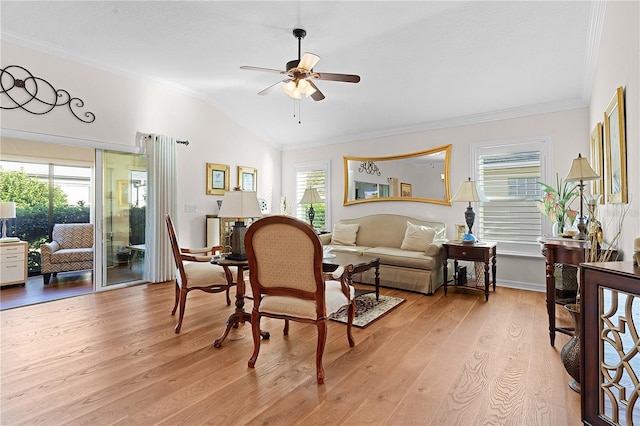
(124, 106)
(619, 65)
(567, 131)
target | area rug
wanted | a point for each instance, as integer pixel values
(368, 309)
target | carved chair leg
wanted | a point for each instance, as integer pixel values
(183, 303)
(228, 299)
(286, 327)
(350, 314)
(175, 305)
(255, 331)
(322, 340)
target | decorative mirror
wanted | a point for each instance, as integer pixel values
(421, 176)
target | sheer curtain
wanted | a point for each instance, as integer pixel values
(161, 199)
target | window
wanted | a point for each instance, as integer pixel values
(313, 175)
(508, 174)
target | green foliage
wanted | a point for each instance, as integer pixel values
(32, 210)
(27, 191)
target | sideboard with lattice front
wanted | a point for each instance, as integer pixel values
(610, 367)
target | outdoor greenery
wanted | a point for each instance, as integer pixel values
(32, 210)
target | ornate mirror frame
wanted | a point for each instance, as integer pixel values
(402, 177)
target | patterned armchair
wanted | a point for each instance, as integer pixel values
(71, 249)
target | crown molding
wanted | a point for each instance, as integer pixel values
(450, 122)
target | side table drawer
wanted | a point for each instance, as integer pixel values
(12, 272)
(13, 249)
(466, 253)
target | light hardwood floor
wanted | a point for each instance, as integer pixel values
(113, 359)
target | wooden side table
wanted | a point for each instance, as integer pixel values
(477, 252)
(13, 263)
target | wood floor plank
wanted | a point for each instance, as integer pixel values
(113, 358)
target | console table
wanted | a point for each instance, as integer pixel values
(567, 252)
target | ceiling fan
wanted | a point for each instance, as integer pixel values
(300, 74)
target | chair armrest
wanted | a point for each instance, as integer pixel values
(335, 275)
(203, 250)
(48, 248)
(341, 273)
(434, 249)
(194, 257)
(325, 239)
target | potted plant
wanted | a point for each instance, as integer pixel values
(555, 203)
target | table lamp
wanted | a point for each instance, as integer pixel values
(7, 211)
(311, 197)
(581, 171)
(239, 204)
(468, 191)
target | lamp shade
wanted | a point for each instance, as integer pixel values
(7, 210)
(468, 191)
(240, 204)
(581, 170)
(311, 196)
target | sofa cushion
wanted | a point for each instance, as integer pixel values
(417, 237)
(403, 258)
(348, 249)
(344, 234)
(72, 255)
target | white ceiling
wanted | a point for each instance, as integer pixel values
(423, 64)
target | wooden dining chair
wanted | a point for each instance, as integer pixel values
(285, 272)
(194, 271)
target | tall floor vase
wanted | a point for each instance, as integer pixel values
(570, 354)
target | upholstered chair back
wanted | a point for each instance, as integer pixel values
(73, 235)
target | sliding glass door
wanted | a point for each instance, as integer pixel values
(124, 184)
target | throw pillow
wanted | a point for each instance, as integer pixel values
(417, 237)
(344, 234)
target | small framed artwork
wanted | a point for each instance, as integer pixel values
(460, 230)
(247, 178)
(122, 191)
(217, 179)
(616, 149)
(597, 161)
(405, 189)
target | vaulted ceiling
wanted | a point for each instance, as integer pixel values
(423, 64)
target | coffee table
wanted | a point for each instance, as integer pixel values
(360, 264)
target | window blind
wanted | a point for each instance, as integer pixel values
(510, 182)
(312, 177)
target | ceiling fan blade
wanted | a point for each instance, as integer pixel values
(347, 78)
(308, 61)
(270, 88)
(245, 67)
(317, 95)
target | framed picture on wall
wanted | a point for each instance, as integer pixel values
(217, 179)
(616, 149)
(405, 189)
(247, 178)
(122, 191)
(597, 161)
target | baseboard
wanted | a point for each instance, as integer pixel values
(541, 288)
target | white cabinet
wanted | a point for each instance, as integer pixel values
(13, 263)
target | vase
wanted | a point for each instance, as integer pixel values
(570, 354)
(557, 229)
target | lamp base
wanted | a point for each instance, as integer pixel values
(237, 242)
(237, 256)
(469, 238)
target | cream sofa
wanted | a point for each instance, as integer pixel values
(383, 235)
(71, 249)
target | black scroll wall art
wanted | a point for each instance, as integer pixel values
(22, 90)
